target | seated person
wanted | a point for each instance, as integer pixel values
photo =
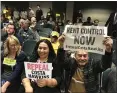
(54, 40)
(12, 63)
(82, 73)
(44, 52)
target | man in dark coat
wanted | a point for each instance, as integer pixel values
(109, 77)
(39, 13)
(112, 24)
(82, 73)
(50, 13)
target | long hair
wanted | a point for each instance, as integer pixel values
(51, 54)
(6, 45)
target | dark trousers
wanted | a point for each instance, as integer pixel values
(13, 87)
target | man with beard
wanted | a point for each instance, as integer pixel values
(82, 73)
(8, 31)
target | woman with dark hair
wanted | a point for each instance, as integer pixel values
(44, 52)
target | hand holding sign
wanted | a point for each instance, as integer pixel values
(89, 38)
(47, 82)
(42, 82)
(51, 82)
(108, 43)
(61, 40)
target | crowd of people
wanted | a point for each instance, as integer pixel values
(70, 74)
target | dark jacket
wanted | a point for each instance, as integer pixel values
(51, 14)
(5, 35)
(14, 76)
(109, 80)
(111, 27)
(26, 34)
(91, 70)
(39, 13)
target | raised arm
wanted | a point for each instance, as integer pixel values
(106, 61)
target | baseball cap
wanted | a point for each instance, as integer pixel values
(55, 33)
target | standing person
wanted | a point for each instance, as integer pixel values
(50, 13)
(31, 13)
(82, 73)
(79, 15)
(112, 23)
(39, 13)
(12, 62)
(44, 52)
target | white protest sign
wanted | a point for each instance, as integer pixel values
(85, 37)
(36, 71)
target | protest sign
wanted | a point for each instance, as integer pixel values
(85, 37)
(38, 70)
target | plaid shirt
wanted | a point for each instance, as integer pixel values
(90, 71)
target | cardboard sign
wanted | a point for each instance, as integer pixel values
(38, 70)
(89, 38)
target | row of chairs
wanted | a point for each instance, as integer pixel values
(28, 47)
(45, 32)
(38, 26)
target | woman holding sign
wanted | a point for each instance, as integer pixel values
(12, 60)
(43, 53)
